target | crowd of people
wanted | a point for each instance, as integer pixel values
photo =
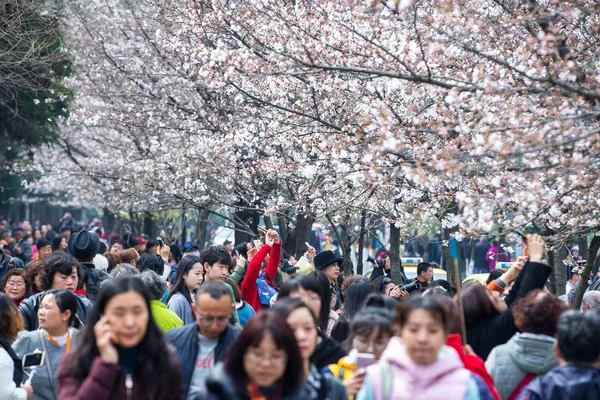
(137, 319)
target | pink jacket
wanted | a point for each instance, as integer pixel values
(445, 379)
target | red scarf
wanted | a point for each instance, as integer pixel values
(254, 392)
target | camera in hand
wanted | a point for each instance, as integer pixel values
(411, 287)
(380, 262)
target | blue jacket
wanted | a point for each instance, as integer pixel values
(185, 341)
(7, 262)
(566, 382)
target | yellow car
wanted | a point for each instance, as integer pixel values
(482, 278)
(438, 273)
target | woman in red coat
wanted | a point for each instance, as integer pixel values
(248, 286)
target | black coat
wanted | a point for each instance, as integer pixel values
(220, 386)
(327, 352)
(480, 262)
(497, 328)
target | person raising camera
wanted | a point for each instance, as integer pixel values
(424, 276)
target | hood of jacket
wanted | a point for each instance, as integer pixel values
(568, 382)
(533, 352)
(448, 361)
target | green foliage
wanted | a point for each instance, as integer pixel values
(33, 98)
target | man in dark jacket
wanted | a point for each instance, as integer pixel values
(7, 262)
(22, 248)
(201, 345)
(481, 265)
(83, 246)
(578, 351)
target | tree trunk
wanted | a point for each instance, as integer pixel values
(108, 221)
(394, 254)
(346, 248)
(183, 230)
(450, 267)
(303, 230)
(268, 222)
(148, 228)
(583, 283)
(558, 277)
(361, 244)
(287, 236)
(244, 217)
(583, 247)
(202, 227)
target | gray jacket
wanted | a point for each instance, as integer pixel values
(180, 306)
(44, 380)
(523, 353)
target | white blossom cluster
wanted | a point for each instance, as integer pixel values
(481, 114)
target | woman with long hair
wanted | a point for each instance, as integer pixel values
(304, 324)
(122, 354)
(420, 355)
(263, 363)
(58, 321)
(354, 302)
(308, 290)
(327, 316)
(190, 275)
(11, 370)
(59, 243)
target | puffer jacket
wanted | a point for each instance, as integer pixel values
(566, 382)
(30, 306)
(446, 378)
(524, 353)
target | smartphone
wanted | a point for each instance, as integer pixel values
(160, 242)
(363, 360)
(307, 244)
(34, 359)
(262, 230)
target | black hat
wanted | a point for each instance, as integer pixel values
(83, 245)
(288, 268)
(325, 259)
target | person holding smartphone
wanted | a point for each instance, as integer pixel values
(121, 354)
(370, 331)
(58, 321)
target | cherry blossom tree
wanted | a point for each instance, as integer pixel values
(482, 115)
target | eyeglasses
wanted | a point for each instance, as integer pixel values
(15, 284)
(208, 320)
(277, 360)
